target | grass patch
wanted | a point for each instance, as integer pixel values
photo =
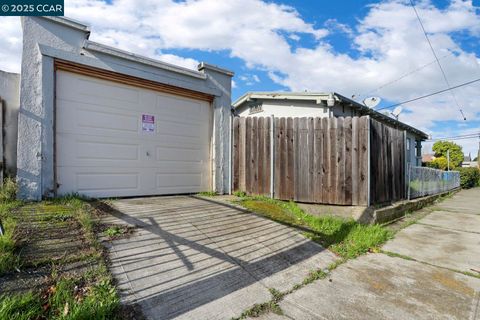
(9, 260)
(207, 193)
(67, 299)
(86, 292)
(345, 237)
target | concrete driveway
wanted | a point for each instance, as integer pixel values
(193, 258)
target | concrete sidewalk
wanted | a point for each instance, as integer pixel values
(427, 280)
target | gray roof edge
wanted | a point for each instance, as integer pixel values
(9, 72)
(377, 114)
(102, 48)
(367, 110)
(69, 22)
(272, 94)
(204, 65)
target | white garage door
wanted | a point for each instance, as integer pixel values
(119, 140)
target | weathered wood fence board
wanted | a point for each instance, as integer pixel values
(251, 155)
(387, 163)
(318, 160)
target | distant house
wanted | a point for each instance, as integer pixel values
(310, 104)
(428, 157)
(467, 162)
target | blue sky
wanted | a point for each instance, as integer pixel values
(351, 47)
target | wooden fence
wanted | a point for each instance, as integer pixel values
(387, 163)
(318, 160)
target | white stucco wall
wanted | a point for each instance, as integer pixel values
(10, 96)
(287, 108)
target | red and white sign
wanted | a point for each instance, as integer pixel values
(148, 123)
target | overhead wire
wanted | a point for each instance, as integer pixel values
(407, 74)
(453, 139)
(429, 95)
(460, 137)
(438, 61)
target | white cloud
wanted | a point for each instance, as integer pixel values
(10, 44)
(388, 39)
(249, 79)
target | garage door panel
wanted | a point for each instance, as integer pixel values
(94, 150)
(106, 181)
(83, 150)
(179, 153)
(102, 150)
(87, 181)
(80, 118)
(106, 121)
(168, 106)
(169, 180)
(88, 149)
(78, 88)
(165, 127)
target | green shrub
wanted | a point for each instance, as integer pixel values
(439, 163)
(469, 177)
(8, 191)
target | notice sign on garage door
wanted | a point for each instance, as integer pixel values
(148, 123)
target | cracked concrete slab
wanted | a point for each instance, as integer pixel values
(448, 237)
(465, 201)
(458, 221)
(376, 286)
(438, 246)
(193, 258)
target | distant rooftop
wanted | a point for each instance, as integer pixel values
(318, 97)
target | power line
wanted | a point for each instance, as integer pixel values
(476, 134)
(436, 58)
(453, 139)
(460, 137)
(403, 76)
(430, 94)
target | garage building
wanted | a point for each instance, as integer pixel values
(103, 122)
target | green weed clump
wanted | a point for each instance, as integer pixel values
(208, 193)
(9, 260)
(346, 237)
(65, 300)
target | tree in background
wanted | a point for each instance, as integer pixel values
(439, 163)
(456, 153)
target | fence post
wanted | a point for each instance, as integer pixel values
(408, 180)
(422, 177)
(369, 170)
(272, 156)
(406, 167)
(230, 171)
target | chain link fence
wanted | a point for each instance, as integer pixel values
(424, 181)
